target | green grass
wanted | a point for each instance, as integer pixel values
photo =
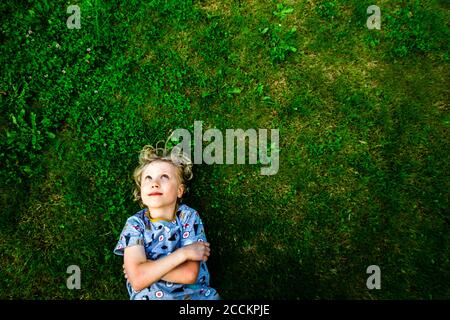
(363, 119)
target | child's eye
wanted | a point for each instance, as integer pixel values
(148, 178)
(165, 176)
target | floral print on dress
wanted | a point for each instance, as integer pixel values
(160, 238)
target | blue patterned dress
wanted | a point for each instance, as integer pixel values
(160, 238)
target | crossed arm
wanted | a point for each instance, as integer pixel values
(182, 266)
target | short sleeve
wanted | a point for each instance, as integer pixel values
(192, 229)
(132, 235)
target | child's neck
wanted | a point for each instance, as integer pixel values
(165, 213)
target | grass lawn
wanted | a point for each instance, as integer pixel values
(362, 114)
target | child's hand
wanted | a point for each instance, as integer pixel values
(198, 251)
(124, 272)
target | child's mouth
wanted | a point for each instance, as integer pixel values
(155, 194)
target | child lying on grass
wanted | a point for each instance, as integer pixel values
(164, 245)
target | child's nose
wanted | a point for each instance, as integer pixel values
(155, 184)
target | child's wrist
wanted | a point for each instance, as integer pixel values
(182, 252)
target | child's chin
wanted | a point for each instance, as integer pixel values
(155, 204)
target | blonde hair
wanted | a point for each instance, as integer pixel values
(173, 156)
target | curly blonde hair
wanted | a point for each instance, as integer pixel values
(173, 156)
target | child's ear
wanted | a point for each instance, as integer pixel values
(181, 190)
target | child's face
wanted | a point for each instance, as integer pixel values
(160, 186)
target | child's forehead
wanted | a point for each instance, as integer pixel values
(159, 167)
